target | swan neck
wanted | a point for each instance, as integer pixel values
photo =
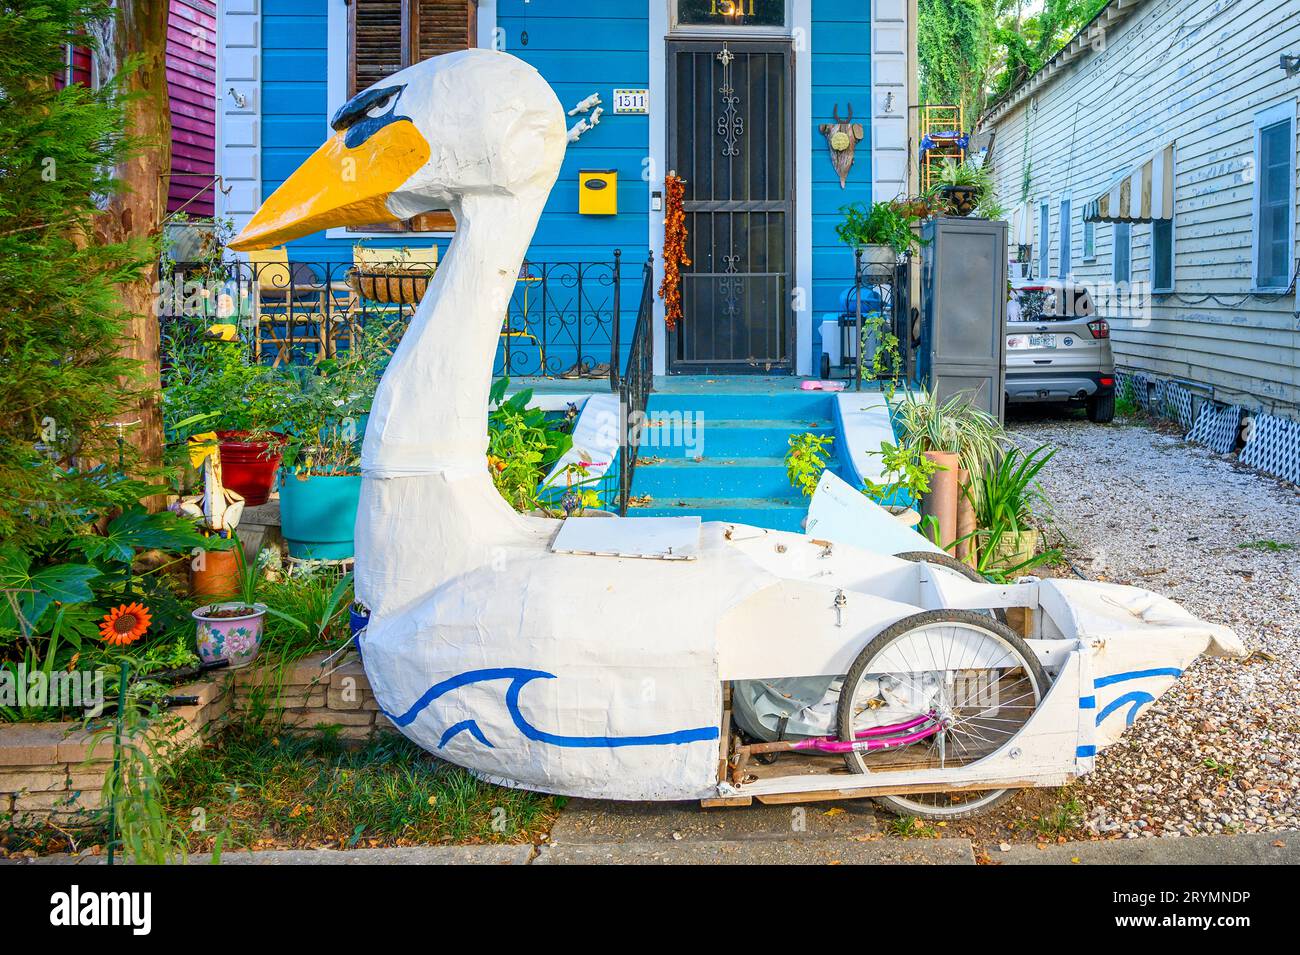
(430, 412)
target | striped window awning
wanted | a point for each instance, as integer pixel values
(1145, 194)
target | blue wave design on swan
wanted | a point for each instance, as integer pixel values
(519, 678)
(1138, 698)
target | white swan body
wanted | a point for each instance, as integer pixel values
(581, 675)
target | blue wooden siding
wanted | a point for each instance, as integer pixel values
(841, 73)
(294, 70)
(582, 47)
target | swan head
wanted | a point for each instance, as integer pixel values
(422, 140)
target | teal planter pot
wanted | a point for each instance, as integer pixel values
(318, 514)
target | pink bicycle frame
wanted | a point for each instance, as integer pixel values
(889, 736)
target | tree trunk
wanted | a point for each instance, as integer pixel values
(136, 36)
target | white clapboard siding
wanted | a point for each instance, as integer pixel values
(1195, 73)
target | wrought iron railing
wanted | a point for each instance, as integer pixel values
(634, 386)
(561, 319)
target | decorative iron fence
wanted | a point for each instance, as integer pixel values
(634, 386)
(561, 319)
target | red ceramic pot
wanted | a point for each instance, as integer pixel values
(248, 467)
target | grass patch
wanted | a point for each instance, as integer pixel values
(912, 827)
(1272, 547)
(259, 789)
(1063, 818)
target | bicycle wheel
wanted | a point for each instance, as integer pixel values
(948, 562)
(974, 678)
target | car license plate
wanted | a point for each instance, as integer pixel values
(1042, 341)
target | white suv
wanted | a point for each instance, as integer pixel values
(1057, 349)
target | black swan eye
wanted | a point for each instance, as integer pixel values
(367, 113)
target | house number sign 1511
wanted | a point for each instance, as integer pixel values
(631, 101)
(766, 13)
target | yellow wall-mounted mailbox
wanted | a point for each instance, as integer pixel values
(598, 192)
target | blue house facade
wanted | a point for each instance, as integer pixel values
(737, 97)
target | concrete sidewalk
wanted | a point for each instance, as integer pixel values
(767, 847)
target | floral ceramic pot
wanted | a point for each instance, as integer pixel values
(226, 635)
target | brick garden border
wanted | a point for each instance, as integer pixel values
(48, 770)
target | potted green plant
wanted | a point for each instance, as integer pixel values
(214, 384)
(326, 412)
(882, 231)
(1003, 497)
(962, 187)
(232, 630)
(907, 472)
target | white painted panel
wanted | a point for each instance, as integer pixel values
(890, 72)
(889, 40)
(241, 130)
(244, 198)
(241, 64)
(891, 10)
(241, 31)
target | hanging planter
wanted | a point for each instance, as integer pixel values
(404, 287)
(959, 201)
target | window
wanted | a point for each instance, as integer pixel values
(731, 13)
(1162, 255)
(1275, 187)
(1044, 239)
(385, 36)
(1066, 226)
(1089, 240)
(1121, 268)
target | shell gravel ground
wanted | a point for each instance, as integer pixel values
(1220, 752)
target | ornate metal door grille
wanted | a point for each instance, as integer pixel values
(730, 137)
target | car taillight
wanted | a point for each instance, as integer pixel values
(1108, 382)
(1099, 327)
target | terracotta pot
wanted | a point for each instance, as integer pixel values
(966, 523)
(218, 577)
(248, 467)
(233, 639)
(941, 502)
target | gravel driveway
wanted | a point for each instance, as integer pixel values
(1220, 752)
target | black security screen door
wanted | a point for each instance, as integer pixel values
(730, 138)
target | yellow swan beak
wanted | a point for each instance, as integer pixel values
(338, 186)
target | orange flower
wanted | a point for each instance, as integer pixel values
(126, 624)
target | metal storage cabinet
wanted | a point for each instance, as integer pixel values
(964, 301)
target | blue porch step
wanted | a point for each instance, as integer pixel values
(733, 469)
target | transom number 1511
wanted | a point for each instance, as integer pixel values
(731, 8)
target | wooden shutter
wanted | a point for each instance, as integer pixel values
(376, 29)
(385, 36)
(443, 26)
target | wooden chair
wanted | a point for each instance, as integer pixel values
(290, 305)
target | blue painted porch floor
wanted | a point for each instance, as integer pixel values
(719, 452)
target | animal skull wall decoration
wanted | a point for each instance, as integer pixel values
(842, 136)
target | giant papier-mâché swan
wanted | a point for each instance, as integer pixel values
(584, 675)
